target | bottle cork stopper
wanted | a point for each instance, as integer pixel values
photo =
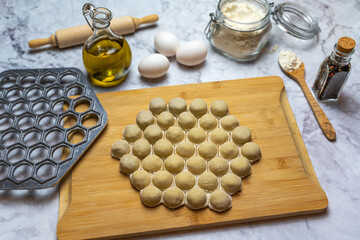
(346, 44)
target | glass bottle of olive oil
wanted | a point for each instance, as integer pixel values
(106, 55)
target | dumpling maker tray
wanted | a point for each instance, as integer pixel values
(36, 150)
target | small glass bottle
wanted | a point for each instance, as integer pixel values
(334, 71)
(106, 55)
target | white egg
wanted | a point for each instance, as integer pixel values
(191, 53)
(154, 66)
(166, 43)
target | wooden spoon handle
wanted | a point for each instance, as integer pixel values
(321, 118)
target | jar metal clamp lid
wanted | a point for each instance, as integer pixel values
(290, 17)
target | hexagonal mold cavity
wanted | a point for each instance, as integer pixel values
(34, 93)
(68, 78)
(25, 122)
(76, 136)
(28, 80)
(45, 172)
(38, 153)
(90, 120)
(47, 121)
(3, 107)
(32, 137)
(13, 94)
(22, 172)
(75, 91)
(10, 138)
(48, 79)
(40, 107)
(6, 122)
(82, 105)
(60, 106)
(61, 153)
(8, 80)
(19, 107)
(54, 92)
(4, 171)
(34, 104)
(68, 120)
(54, 136)
(16, 154)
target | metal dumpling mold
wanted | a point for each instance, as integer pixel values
(44, 125)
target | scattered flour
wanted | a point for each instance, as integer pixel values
(289, 61)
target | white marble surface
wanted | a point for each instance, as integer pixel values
(33, 214)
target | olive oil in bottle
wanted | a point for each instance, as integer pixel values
(106, 55)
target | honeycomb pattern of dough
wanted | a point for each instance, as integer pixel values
(194, 155)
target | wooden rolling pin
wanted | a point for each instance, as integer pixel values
(73, 36)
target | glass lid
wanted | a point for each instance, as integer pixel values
(295, 20)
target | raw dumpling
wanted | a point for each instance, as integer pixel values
(229, 122)
(129, 163)
(163, 148)
(208, 181)
(120, 148)
(144, 119)
(140, 179)
(185, 149)
(207, 150)
(165, 120)
(175, 134)
(198, 107)
(162, 179)
(132, 133)
(153, 133)
(220, 201)
(196, 198)
(208, 122)
(241, 135)
(173, 197)
(196, 165)
(229, 150)
(196, 135)
(218, 166)
(177, 106)
(219, 136)
(174, 164)
(251, 151)
(141, 148)
(186, 120)
(157, 105)
(150, 196)
(185, 180)
(152, 163)
(219, 108)
(240, 166)
(231, 183)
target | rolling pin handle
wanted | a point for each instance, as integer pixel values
(148, 19)
(43, 41)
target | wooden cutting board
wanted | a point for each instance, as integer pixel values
(96, 201)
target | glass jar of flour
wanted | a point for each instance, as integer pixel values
(240, 29)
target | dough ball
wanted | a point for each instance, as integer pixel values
(198, 107)
(208, 122)
(129, 163)
(219, 166)
(132, 133)
(162, 179)
(196, 135)
(219, 136)
(207, 150)
(196, 165)
(120, 148)
(141, 148)
(185, 180)
(152, 163)
(229, 122)
(173, 197)
(174, 164)
(251, 151)
(231, 183)
(220, 201)
(177, 106)
(241, 135)
(229, 150)
(140, 179)
(186, 120)
(153, 133)
(175, 134)
(196, 198)
(219, 108)
(150, 196)
(240, 166)
(157, 105)
(208, 181)
(163, 148)
(185, 149)
(165, 120)
(144, 119)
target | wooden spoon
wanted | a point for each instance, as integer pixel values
(324, 123)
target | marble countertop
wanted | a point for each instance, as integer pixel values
(33, 214)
